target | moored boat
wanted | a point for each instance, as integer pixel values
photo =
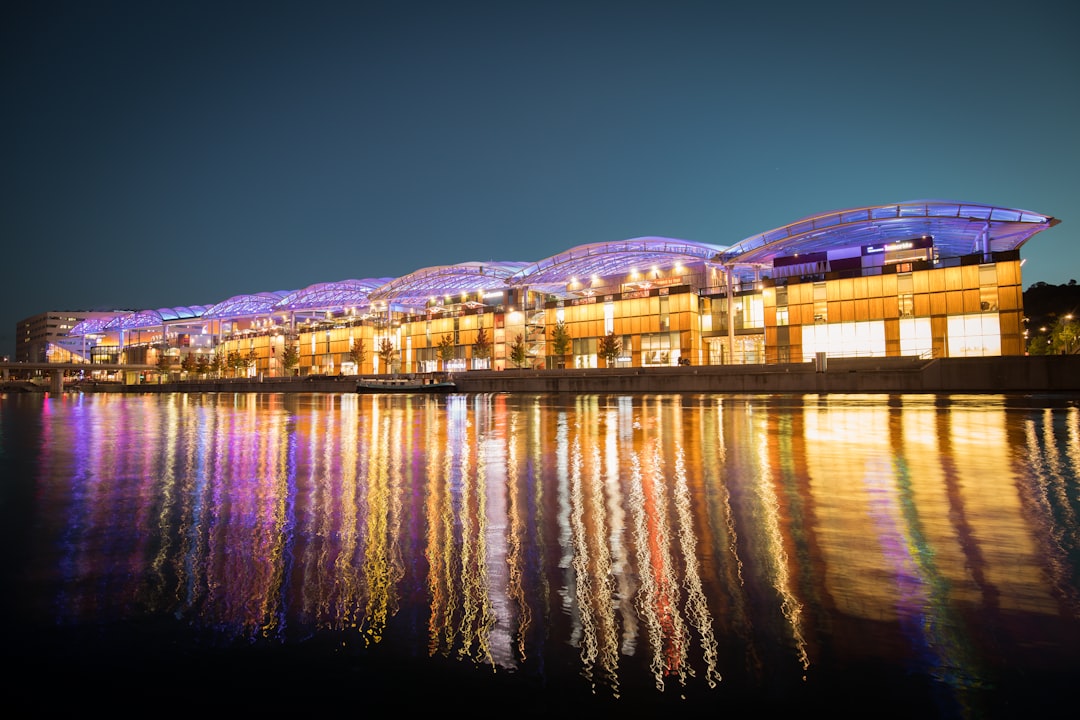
(404, 385)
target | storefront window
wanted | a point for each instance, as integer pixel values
(974, 335)
(854, 339)
(916, 337)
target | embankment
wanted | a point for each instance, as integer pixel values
(1028, 375)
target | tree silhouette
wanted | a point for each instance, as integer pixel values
(518, 352)
(358, 353)
(482, 346)
(290, 356)
(446, 349)
(387, 353)
(560, 339)
(609, 348)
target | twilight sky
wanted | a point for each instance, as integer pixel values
(158, 153)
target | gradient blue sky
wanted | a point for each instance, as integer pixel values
(157, 154)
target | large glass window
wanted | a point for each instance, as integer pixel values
(916, 337)
(584, 350)
(749, 312)
(854, 339)
(659, 349)
(977, 335)
(749, 350)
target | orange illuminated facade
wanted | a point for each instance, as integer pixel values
(923, 279)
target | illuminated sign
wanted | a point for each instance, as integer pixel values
(652, 283)
(898, 246)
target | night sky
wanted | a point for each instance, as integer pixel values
(157, 154)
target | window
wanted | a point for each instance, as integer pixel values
(851, 339)
(916, 337)
(976, 335)
(656, 348)
(907, 305)
(821, 304)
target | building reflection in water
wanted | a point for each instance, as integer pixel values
(671, 540)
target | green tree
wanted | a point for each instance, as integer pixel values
(202, 365)
(164, 363)
(1039, 345)
(1064, 336)
(1061, 336)
(447, 349)
(358, 353)
(482, 346)
(387, 353)
(190, 364)
(290, 356)
(518, 352)
(609, 348)
(233, 361)
(560, 339)
(216, 364)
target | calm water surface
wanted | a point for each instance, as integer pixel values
(544, 555)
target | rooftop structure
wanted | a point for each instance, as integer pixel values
(741, 310)
(956, 229)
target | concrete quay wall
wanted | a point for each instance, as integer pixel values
(1049, 374)
(957, 375)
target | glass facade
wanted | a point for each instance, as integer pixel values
(835, 284)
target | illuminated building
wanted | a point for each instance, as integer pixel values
(46, 337)
(922, 279)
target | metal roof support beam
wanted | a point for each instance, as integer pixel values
(730, 317)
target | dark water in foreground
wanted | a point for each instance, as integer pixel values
(869, 556)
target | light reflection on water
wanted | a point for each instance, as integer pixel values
(682, 542)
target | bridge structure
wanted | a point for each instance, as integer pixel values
(57, 371)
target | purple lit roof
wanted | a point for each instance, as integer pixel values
(957, 228)
(262, 303)
(155, 318)
(418, 287)
(332, 295)
(91, 326)
(614, 258)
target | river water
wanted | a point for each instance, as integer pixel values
(543, 555)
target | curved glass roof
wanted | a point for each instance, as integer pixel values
(91, 325)
(957, 228)
(418, 287)
(613, 258)
(155, 318)
(332, 295)
(262, 303)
